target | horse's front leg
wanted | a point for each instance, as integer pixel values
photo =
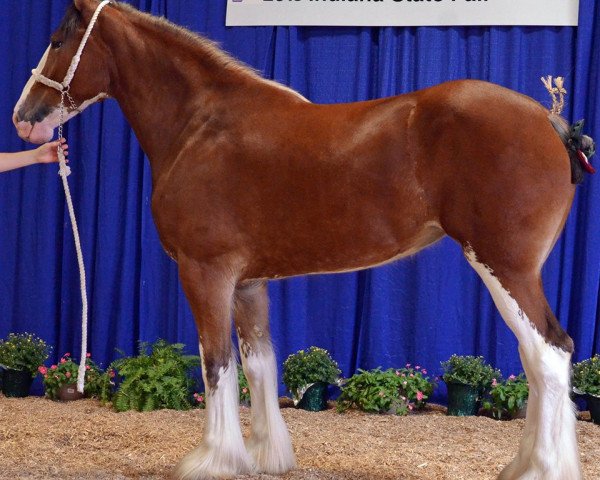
(222, 454)
(269, 441)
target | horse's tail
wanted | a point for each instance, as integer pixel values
(579, 147)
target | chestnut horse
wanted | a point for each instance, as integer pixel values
(252, 182)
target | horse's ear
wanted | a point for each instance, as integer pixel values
(86, 7)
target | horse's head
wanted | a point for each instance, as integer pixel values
(37, 112)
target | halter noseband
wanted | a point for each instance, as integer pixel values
(63, 87)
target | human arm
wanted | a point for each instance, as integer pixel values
(46, 153)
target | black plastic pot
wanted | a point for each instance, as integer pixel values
(593, 404)
(315, 398)
(16, 383)
(463, 400)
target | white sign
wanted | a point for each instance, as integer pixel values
(402, 12)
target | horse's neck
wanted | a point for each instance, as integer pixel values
(162, 83)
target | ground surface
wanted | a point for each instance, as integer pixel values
(40, 439)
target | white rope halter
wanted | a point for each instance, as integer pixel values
(64, 171)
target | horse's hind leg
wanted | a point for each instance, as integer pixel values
(222, 453)
(548, 449)
(269, 441)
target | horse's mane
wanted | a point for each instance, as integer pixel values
(211, 50)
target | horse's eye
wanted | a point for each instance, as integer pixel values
(56, 44)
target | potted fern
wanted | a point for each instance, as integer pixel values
(307, 375)
(156, 378)
(586, 382)
(20, 356)
(468, 378)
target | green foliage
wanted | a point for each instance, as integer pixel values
(244, 387)
(66, 373)
(307, 367)
(469, 370)
(23, 351)
(508, 397)
(586, 376)
(395, 391)
(157, 378)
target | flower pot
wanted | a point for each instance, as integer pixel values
(520, 413)
(593, 404)
(68, 393)
(16, 383)
(463, 400)
(315, 398)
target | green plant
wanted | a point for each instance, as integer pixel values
(156, 378)
(244, 388)
(305, 367)
(66, 373)
(395, 391)
(469, 370)
(23, 351)
(586, 376)
(507, 397)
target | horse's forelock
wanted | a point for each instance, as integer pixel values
(70, 21)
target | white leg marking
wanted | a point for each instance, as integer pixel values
(222, 453)
(548, 449)
(269, 441)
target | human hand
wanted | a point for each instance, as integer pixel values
(48, 153)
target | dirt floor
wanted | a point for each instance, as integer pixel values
(41, 439)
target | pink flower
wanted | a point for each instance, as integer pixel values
(408, 365)
(111, 374)
(88, 355)
(512, 377)
(424, 372)
(420, 395)
(417, 367)
(87, 367)
(63, 360)
(397, 373)
(411, 375)
(244, 390)
(494, 382)
(404, 384)
(43, 370)
(46, 376)
(200, 398)
(67, 354)
(68, 374)
(410, 407)
(53, 367)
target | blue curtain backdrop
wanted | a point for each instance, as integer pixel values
(420, 310)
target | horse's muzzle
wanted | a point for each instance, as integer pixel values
(31, 131)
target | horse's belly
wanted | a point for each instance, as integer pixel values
(349, 256)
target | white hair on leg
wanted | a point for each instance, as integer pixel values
(548, 450)
(269, 442)
(222, 453)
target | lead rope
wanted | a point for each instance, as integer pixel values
(64, 171)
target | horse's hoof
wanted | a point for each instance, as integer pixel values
(206, 463)
(273, 458)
